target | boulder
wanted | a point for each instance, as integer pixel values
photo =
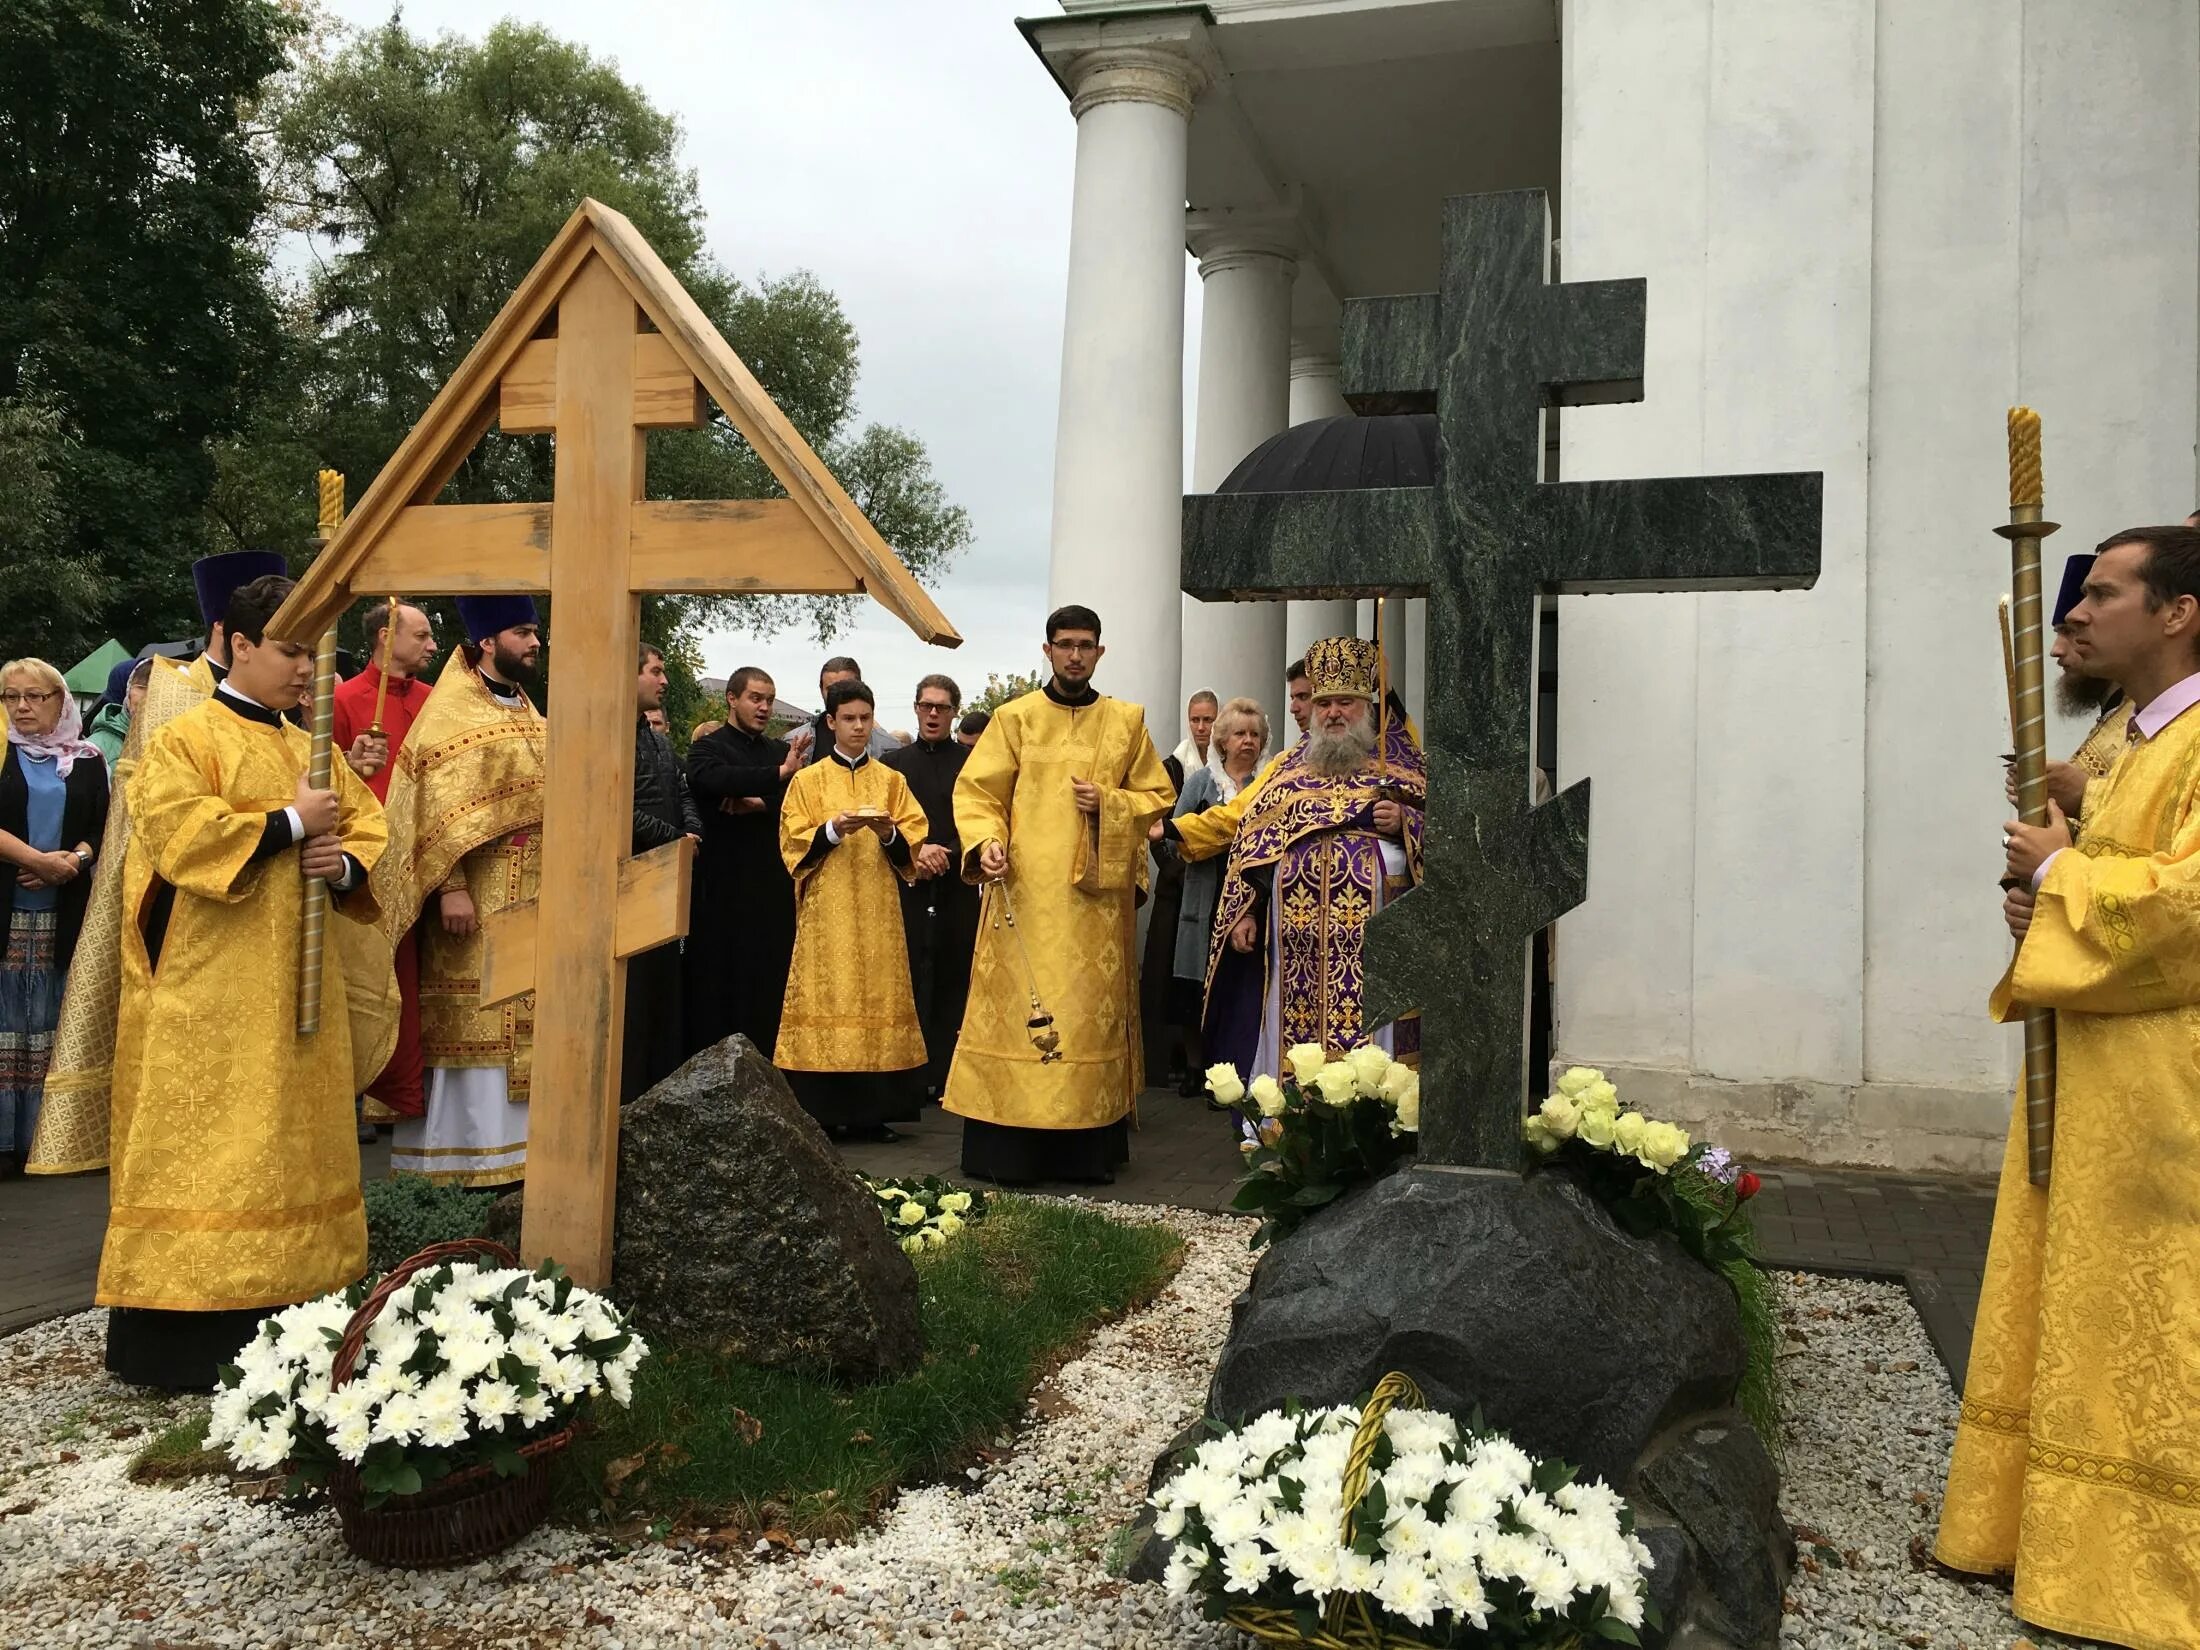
(1522, 1299)
(738, 1228)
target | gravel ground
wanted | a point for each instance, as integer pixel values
(1014, 1557)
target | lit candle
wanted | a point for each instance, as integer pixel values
(2025, 486)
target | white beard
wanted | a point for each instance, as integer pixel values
(1333, 755)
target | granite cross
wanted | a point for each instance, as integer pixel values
(1497, 345)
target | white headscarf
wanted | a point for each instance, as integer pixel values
(63, 743)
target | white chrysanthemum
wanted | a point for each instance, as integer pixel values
(535, 1408)
(1244, 1567)
(1221, 1455)
(1180, 1574)
(1471, 1504)
(564, 1330)
(350, 1439)
(1508, 1460)
(1267, 1435)
(1413, 1430)
(1168, 1521)
(1627, 1605)
(618, 1383)
(262, 1446)
(474, 1352)
(1319, 1571)
(398, 1420)
(1457, 1543)
(1358, 1573)
(383, 1379)
(343, 1404)
(1295, 1535)
(1538, 1513)
(531, 1349)
(1508, 1557)
(1413, 1477)
(229, 1413)
(493, 1402)
(1463, 1596)
(1236, 1521)
(1549, 1583)
(1408, 1593)
(1410, 1533)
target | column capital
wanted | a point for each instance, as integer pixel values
(1315, 361)
(1225, 238)
(1153, 73)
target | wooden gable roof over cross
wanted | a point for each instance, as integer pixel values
(598, 346)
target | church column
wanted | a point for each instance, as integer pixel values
(1316, 377)
(1397, 648)
(1246, 267)
(1119, 441)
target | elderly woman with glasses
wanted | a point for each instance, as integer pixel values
(53, 809)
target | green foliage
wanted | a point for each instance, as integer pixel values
(134, 305)
(999, 689)
(716, 1442)
(1312, 1154)
(408, 1212)
(942, 1210)
(177, 1453)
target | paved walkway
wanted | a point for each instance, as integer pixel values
(1929, 1232)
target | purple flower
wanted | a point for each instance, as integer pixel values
(1719, 1164)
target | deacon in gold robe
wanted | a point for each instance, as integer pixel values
(235, 1171)
(465, 814)
(2077, 1454)
(1052, 809)
(73, 1126)
(849, 831)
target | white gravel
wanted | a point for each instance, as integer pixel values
(1014, 1558)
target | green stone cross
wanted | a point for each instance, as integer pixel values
(1489, 352)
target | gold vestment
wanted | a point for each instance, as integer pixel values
(2077, 1454)
(235, 1167)
(72, 1129)
(1075, 880)
(849, 1005)
(465, 813)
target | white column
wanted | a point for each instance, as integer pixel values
(1397, 648)
(1316, 377)
(1413, 679)
(1245, 271)
(1119, 439)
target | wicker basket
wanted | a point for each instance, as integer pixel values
(1347, 1622)
(466, 1516)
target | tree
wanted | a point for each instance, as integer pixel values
(429, 176)
(133, 306)
(999, 689)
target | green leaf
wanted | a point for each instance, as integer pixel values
(1313, 1197)
(1614, 1630)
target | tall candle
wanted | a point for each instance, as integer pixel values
(2025, 486)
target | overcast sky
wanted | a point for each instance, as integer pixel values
(916, 157)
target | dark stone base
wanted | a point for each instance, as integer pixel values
(1523, 1299)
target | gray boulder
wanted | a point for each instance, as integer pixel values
(738, 1228)
(1522, 1299)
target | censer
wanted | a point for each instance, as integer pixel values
(1040, 1026)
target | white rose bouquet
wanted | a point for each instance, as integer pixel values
(1460, 1537)
(1652, 1177)
(463, 1367)
(1319, 1129)
(924, 1214)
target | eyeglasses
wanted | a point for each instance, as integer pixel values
(24, 696)
(937, 708)
(1075, 647)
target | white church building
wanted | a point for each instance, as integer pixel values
(1868, 227)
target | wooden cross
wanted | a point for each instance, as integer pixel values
(599, 345)
(1488, 353)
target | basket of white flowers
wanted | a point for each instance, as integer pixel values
(432, 1404)
(1394, 1526)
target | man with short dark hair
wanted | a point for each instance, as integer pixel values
(235, 1186)
(741, 941)
(2078, 1403)
(849, 833)
(939, 911)
(652, 1037)
(972, 727)
(1052, 808)
(839, 668)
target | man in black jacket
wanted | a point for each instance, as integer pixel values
(663, 812)
(741, 941)
(939, 911)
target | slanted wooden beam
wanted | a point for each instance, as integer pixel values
(652, 910)
(459, 550)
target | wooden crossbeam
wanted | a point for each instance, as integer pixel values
(652, 905)
(666, 395)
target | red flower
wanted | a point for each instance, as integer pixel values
(1746, 1187)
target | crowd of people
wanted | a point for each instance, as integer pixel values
(947, 916)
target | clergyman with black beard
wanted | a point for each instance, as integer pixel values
(2078, 693)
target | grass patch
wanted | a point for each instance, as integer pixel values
(712, 1442)
(178, 1453)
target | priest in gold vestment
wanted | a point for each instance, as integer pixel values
(850, 831)
(1053, 808)
(73, 1126)
(465, 810)
(235, 1170)
(2077, 1455)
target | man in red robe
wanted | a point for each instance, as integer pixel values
(400, 649)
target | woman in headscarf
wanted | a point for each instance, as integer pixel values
(110, 723)
(53, 810)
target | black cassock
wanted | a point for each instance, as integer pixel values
(938, 914)
(741, 936)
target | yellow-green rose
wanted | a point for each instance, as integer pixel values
(1305, 1059)
(1596, 1129)
(910, 1214)
(1663, 1145)
(948, 1225)
(1268, 1096)
(1336, 1082)
(1627, 1132)
(1577, 1079)
(1409, 1108)
(1561, 1116)
(1369, 1065)
(912, 1245)
(955, 1203)
(1540, 1136)
(1397, 1080)
(1601, 1095)
(1224, 1084)
(933, 1237)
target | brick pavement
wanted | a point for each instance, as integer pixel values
(1928, 1231)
